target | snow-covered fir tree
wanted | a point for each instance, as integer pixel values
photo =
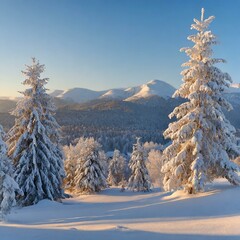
(73, 161)
(70, 166)
(116, 169)
(34, 142)
(72, 155)
(8, 186)
(89, 174)
(202, 138)
(104, 161)
(139, 179)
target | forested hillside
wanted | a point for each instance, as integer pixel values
(115, 123)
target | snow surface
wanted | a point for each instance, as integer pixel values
(115, 215)
(152, 88)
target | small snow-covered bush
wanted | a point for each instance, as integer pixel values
(139, 179)
(116, 169)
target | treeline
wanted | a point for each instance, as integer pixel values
(115, 124)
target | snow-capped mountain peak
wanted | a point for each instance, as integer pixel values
(153, 88)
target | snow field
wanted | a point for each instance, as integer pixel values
(130, 215)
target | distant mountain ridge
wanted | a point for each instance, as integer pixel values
(151, 88)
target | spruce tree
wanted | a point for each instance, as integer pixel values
(116, 169)
(139, 179)
(8, 186)
(203, 139)
(34, 142)
(89, 174)
(70, 167)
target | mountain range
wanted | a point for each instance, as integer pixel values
(115, 117)
(145, 91)
(131, 94)
(151, 88)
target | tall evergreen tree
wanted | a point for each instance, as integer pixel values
(202, 138)
(34, 141)
(139, 179)
(8, 186)
(89, 174)
(116, 169)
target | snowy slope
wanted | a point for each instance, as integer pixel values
(113, 215)
(80, 95)
(115, 94)
(132, 90)
(152, 88)
(121, 93)
(56, 93)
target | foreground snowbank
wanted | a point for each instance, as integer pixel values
(113, 215)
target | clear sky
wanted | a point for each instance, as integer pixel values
(101, 44)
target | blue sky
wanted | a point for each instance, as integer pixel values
(100, 44)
